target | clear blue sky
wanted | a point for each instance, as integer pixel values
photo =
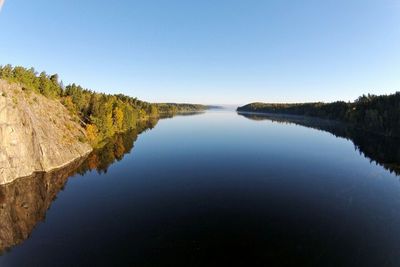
(210, 51)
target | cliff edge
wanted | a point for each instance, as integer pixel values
(36, 133)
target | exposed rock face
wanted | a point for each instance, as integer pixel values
(36, 134)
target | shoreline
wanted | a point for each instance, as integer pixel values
(295, 117)
(49, 170)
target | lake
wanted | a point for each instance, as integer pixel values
(211, 189)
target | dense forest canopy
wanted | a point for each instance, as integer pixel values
(102, 115)
(379, 114)
(181, 107)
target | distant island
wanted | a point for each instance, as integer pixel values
(46, 125)
(376, 114)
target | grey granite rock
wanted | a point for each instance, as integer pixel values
(36, 134)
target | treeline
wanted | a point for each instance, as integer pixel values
(102, 115)
(378, 114)
(173, 108)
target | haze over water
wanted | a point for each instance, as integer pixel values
(221, 188)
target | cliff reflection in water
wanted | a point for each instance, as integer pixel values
(24, 203)
(382, 150)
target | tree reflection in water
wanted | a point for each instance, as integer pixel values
(114, 149)
(24, 202)
(382, 150)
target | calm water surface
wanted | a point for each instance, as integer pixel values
(212, 189)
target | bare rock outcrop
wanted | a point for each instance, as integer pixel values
(36, 134)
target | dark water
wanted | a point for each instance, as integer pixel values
(210, 190)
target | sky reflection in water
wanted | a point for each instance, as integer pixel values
(215, 188)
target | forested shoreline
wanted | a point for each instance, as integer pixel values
(377, 114)
(102, 115)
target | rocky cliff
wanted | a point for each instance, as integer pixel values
(36, 134)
